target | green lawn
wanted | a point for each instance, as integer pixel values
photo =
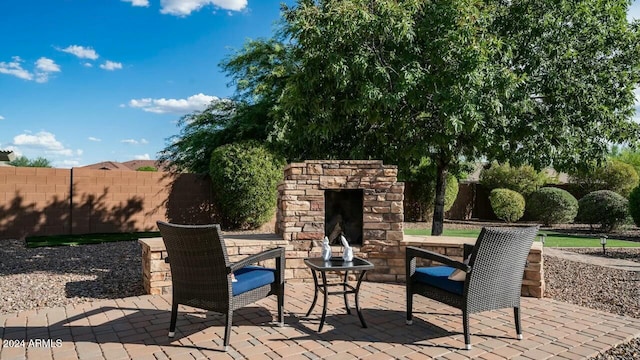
(83, 239)
(554, 239)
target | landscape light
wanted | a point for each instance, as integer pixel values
(603, 242)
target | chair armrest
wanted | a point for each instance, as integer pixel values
(414, 252)
(277, 253)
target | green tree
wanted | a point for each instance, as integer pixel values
(522, 179)
(627, 156)
(549, 83)
(26, 162)
(147, 168)
(612, 175)
(546, 83)
(580, 63)
(397, 81)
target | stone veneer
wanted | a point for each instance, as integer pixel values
(301, 202)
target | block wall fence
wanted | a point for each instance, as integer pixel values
(46, 201)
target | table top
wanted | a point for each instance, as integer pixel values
(337, 264)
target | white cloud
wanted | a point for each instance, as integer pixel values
(42, 141)
(142, 157)
(196, 102)
(186, 7)
(129, 141)
(143, 3)
(144, 141)
(94, 139)
(81, 52)
(47, 65)
(111, 65)
(87, 64)
(1, 117)
(15, 68)
(69, 163)
(44, 67)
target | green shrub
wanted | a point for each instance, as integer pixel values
(508, 205)
(634, 205)
(603, 207)
(614, 175)
(421, 184)
(245, 176)
(523, 179)
(552, 206)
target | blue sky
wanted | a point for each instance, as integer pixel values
(84, 81)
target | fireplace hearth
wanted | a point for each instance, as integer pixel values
(343, 216)
(361, 199)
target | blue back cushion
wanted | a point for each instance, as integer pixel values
(437, 276)
(252, 277)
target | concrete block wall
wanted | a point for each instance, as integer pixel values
(34, 201)
(45, 201)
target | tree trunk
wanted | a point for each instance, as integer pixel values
(438, 213)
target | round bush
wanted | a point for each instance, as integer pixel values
(245, 178)
(552, 206)
(603, 207)
(508, 205)
(634, 205)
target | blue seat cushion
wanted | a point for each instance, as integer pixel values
(252, 277)
(438, 276)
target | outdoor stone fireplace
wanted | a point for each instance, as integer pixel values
(361, 199)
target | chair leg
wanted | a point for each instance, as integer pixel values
(516, 315)
(409, 308)
(174, 318)
(281, 306)
(227, 329)
(465, 325)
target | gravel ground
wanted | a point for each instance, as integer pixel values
(57, 276)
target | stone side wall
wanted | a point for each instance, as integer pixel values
(157, 273)
(300, 212)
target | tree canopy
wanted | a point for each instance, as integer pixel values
(26, 162)
(545, 82)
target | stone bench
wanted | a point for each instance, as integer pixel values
(157, 274)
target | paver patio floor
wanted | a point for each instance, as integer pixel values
(137, 328)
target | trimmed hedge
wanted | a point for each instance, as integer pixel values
(552, 206)
(604, 207)
(634, 205)
(508, 205)
(245, 177)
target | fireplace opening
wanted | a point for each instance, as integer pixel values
(343, 214)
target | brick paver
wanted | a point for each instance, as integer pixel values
(137, 328)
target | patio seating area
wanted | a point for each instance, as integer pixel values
(137, 327)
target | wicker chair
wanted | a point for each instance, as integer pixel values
(202, 274)
(493, 275)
